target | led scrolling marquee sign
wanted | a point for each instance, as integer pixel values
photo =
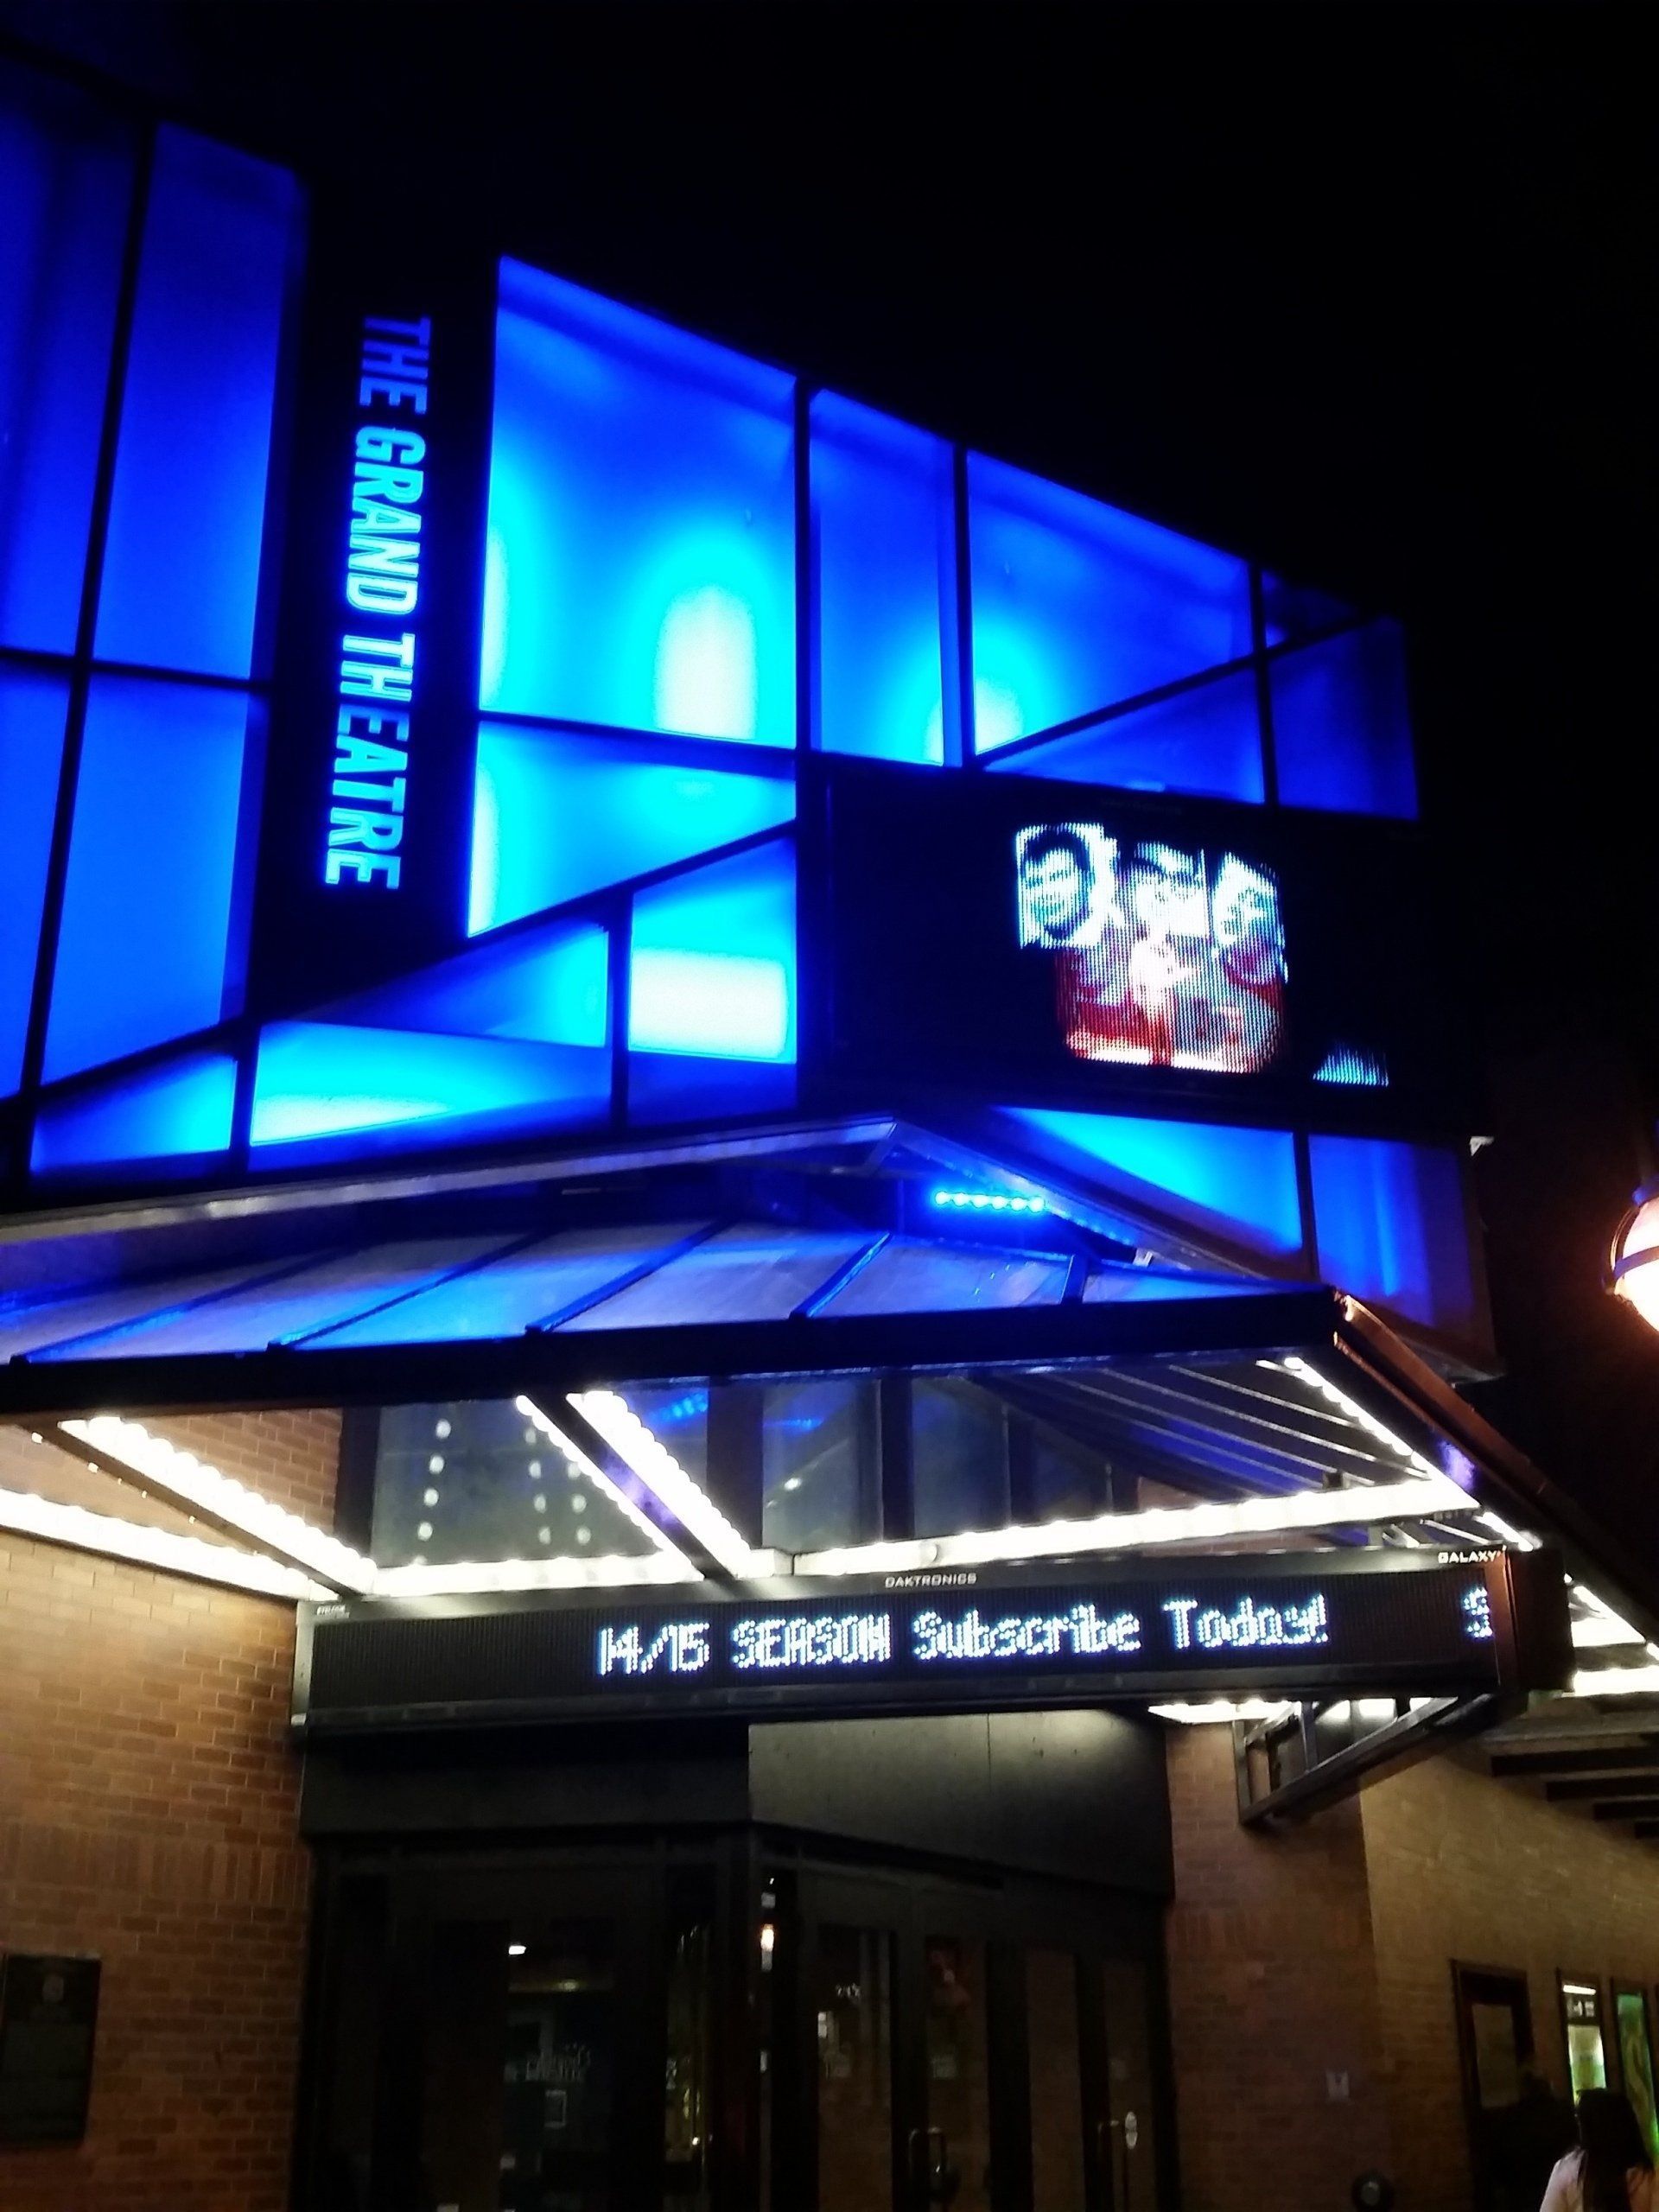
(1431, 1622)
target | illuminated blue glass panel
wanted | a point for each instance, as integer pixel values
(548, 986)
(32, 709)
(555, 814)
(163, 1114)
(1238, 1183)
(66, 177)
(884, 553)
(315, 1080)
(1341, 730)
(641, 562)
(1206, 741)
(1394, 1229)
(1077, 604)
(148, 905)
(1292, 611)
(187, 522)
(712, 962)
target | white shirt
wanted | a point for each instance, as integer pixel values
(1564, 2194)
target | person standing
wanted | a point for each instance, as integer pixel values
(1611, 2170)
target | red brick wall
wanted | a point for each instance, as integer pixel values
(148, 1814)
(1462, 1866)
(1272, 1986)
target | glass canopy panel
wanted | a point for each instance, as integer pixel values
(1393, 1227)
(556, 814)
(32, 710)
(221, 247)
(742, 1275)
(1206, 741)
(32, 1325)
(909, 1276)
(271, 1311)
(641, 552)
(66, 176)
(515, 1291)
(1078, 606)
(883, 541)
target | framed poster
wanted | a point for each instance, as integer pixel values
(49, 2016)
(1633, 2031)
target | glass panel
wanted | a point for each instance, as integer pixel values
(852, 1998)
(1207, 741)
(549, 986)
(641, 566)
(477, 1481)
(187, 521)
(388, 1089)
(556, 814)
(1131, 2107)
(688, 2085)
(511, 1294)
(171, 1113)
(1394, 1229)
(712, 961)
(558, 2100)
(960, 1461)
(1078, 606)
(1586, 2057)
(1290, 611)
(958, 2103)
(266, 1312)
(1239, 1183)
(145, 950)
(910, 1277)
(1341, 730)
(1635, 2062)
(678, 1417)
(66, 175)
(1056, 2077)
(28, 1324)
(32, 709)
(818, 1447)
(884, 549)
(742, 1275)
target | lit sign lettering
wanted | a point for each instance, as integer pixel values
(1287, 1624)
(377, 652)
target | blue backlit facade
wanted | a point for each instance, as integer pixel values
(281, 898)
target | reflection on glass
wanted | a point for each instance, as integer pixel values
(1586, 2058)
(819, 1450)
(853, 2000)
(958, 2150)
(1129, 2085)
(561, 2044)
(1057, 2182)
(686, 2085)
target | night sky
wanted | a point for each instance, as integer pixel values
(1367, 293)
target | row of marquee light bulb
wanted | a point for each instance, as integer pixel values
(310, 1563)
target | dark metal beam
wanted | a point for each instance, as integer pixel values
(1540, 1765)
(1612, 1785)
(1638, 1808)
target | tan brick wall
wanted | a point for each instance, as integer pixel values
(1462, 1866)
(149, 1812)
(1272, 1986)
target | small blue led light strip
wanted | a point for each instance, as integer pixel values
(988, 1202)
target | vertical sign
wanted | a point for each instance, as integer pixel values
(367, 816)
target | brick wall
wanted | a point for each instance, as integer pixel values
(148, 1814)
(1462, 1866)
(1328, 1947)
(1273, 1987)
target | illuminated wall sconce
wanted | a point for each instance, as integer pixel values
(1633, 1264)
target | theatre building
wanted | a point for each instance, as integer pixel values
(736, 1294)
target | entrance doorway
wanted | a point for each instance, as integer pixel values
(731, 2026)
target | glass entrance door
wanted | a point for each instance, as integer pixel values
(967, 2053)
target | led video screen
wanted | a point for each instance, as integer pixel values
(1035, 940)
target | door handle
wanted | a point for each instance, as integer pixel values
(931, 2172)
